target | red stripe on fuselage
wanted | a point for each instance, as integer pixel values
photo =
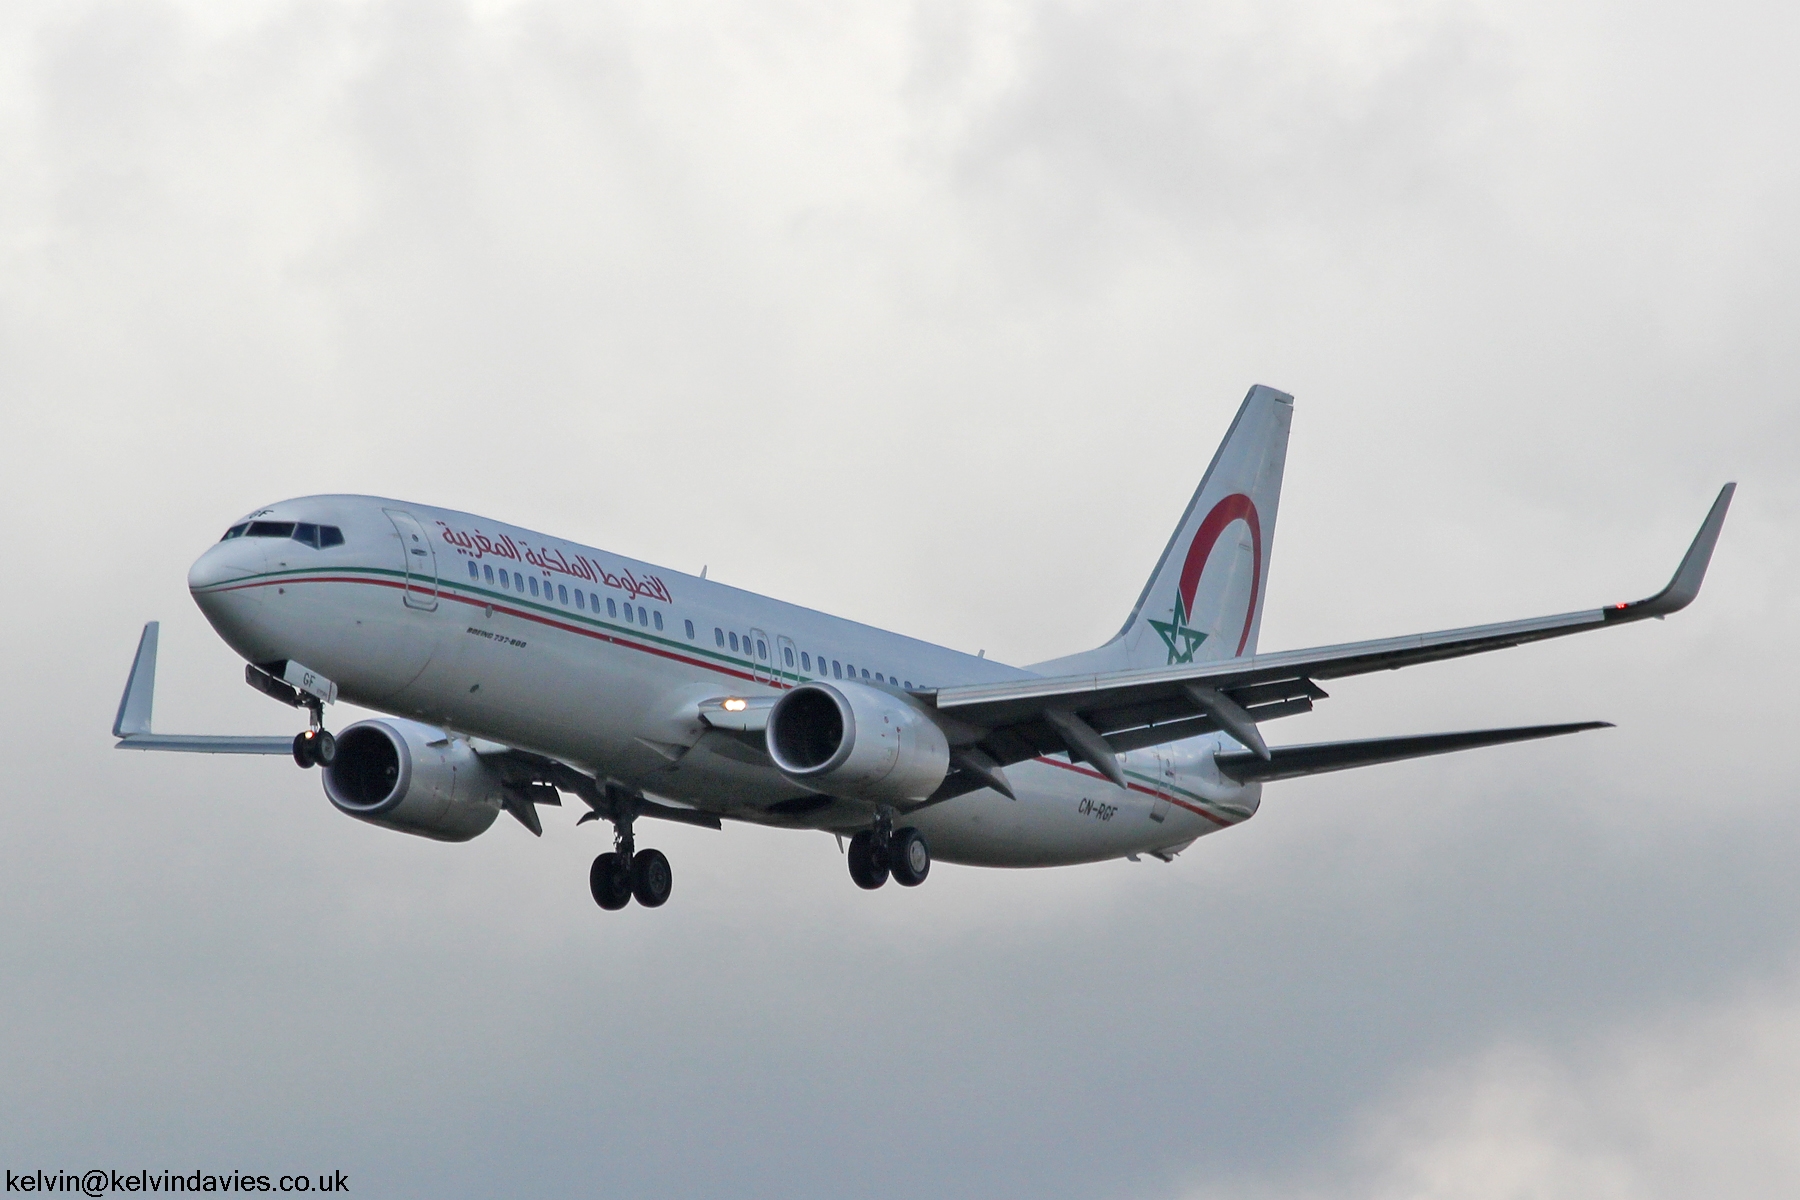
(1136, 787)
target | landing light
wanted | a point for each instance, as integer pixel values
(735, 705)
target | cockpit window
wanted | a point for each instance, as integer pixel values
(235, 531)
(304, 532)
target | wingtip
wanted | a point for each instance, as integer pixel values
(1684, 585)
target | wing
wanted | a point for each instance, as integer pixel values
(1093, 717)
(132, 725)
(1291, 762)
(533, 779)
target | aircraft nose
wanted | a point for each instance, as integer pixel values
(225, 563)
(216, 583)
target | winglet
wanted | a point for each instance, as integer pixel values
(1688, 576)
(140, 687)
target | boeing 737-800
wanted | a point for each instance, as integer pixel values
(515, 667)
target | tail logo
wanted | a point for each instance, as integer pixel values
(1181, 638)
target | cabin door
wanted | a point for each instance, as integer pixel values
(1165, 783)
(787, 660)
(761, 656)
(419, 559)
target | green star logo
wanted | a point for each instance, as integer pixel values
(1181, 639)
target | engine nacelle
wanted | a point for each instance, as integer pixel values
(857, 741)
(411, 777)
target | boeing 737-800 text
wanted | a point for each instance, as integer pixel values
(516, 667)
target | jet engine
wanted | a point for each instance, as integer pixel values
(414, 778)
(857, 741)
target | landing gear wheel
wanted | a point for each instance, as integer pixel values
(909, 858)
(315, 748)
(610, 881)
(651, 879)
(868, 864)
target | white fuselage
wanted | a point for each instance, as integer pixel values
(601, 662)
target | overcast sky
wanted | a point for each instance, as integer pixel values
(929, 315)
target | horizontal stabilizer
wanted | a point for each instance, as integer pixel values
(1291, 762)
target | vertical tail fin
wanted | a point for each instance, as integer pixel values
(1204, 600)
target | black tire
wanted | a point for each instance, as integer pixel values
(303, 748)
(610, 881)
(867, 865)
(651, 879)
(909, 858)
(324, 748)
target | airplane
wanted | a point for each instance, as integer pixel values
(513, 667)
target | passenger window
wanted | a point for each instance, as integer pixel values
(849, 670)
(642, 619)
(533, 582)
(657, 617)
(718, 635)
(503, 579)
(733, 641)
(865, 672)
(837, 672)
(787, 655)
(805, 661)
(330, 535)
(907, 685)
(519, 582)
(489, 573)
(612, 610)
(562, 594)
(690, 629)
(474, 571)
(580, 602)
(878, 678)
(762, 649)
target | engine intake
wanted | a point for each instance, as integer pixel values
(411, 777)
(857, 741)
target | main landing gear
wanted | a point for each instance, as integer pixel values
(883, 850)
(625, 871)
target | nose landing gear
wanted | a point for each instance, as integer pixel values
(315, 747)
